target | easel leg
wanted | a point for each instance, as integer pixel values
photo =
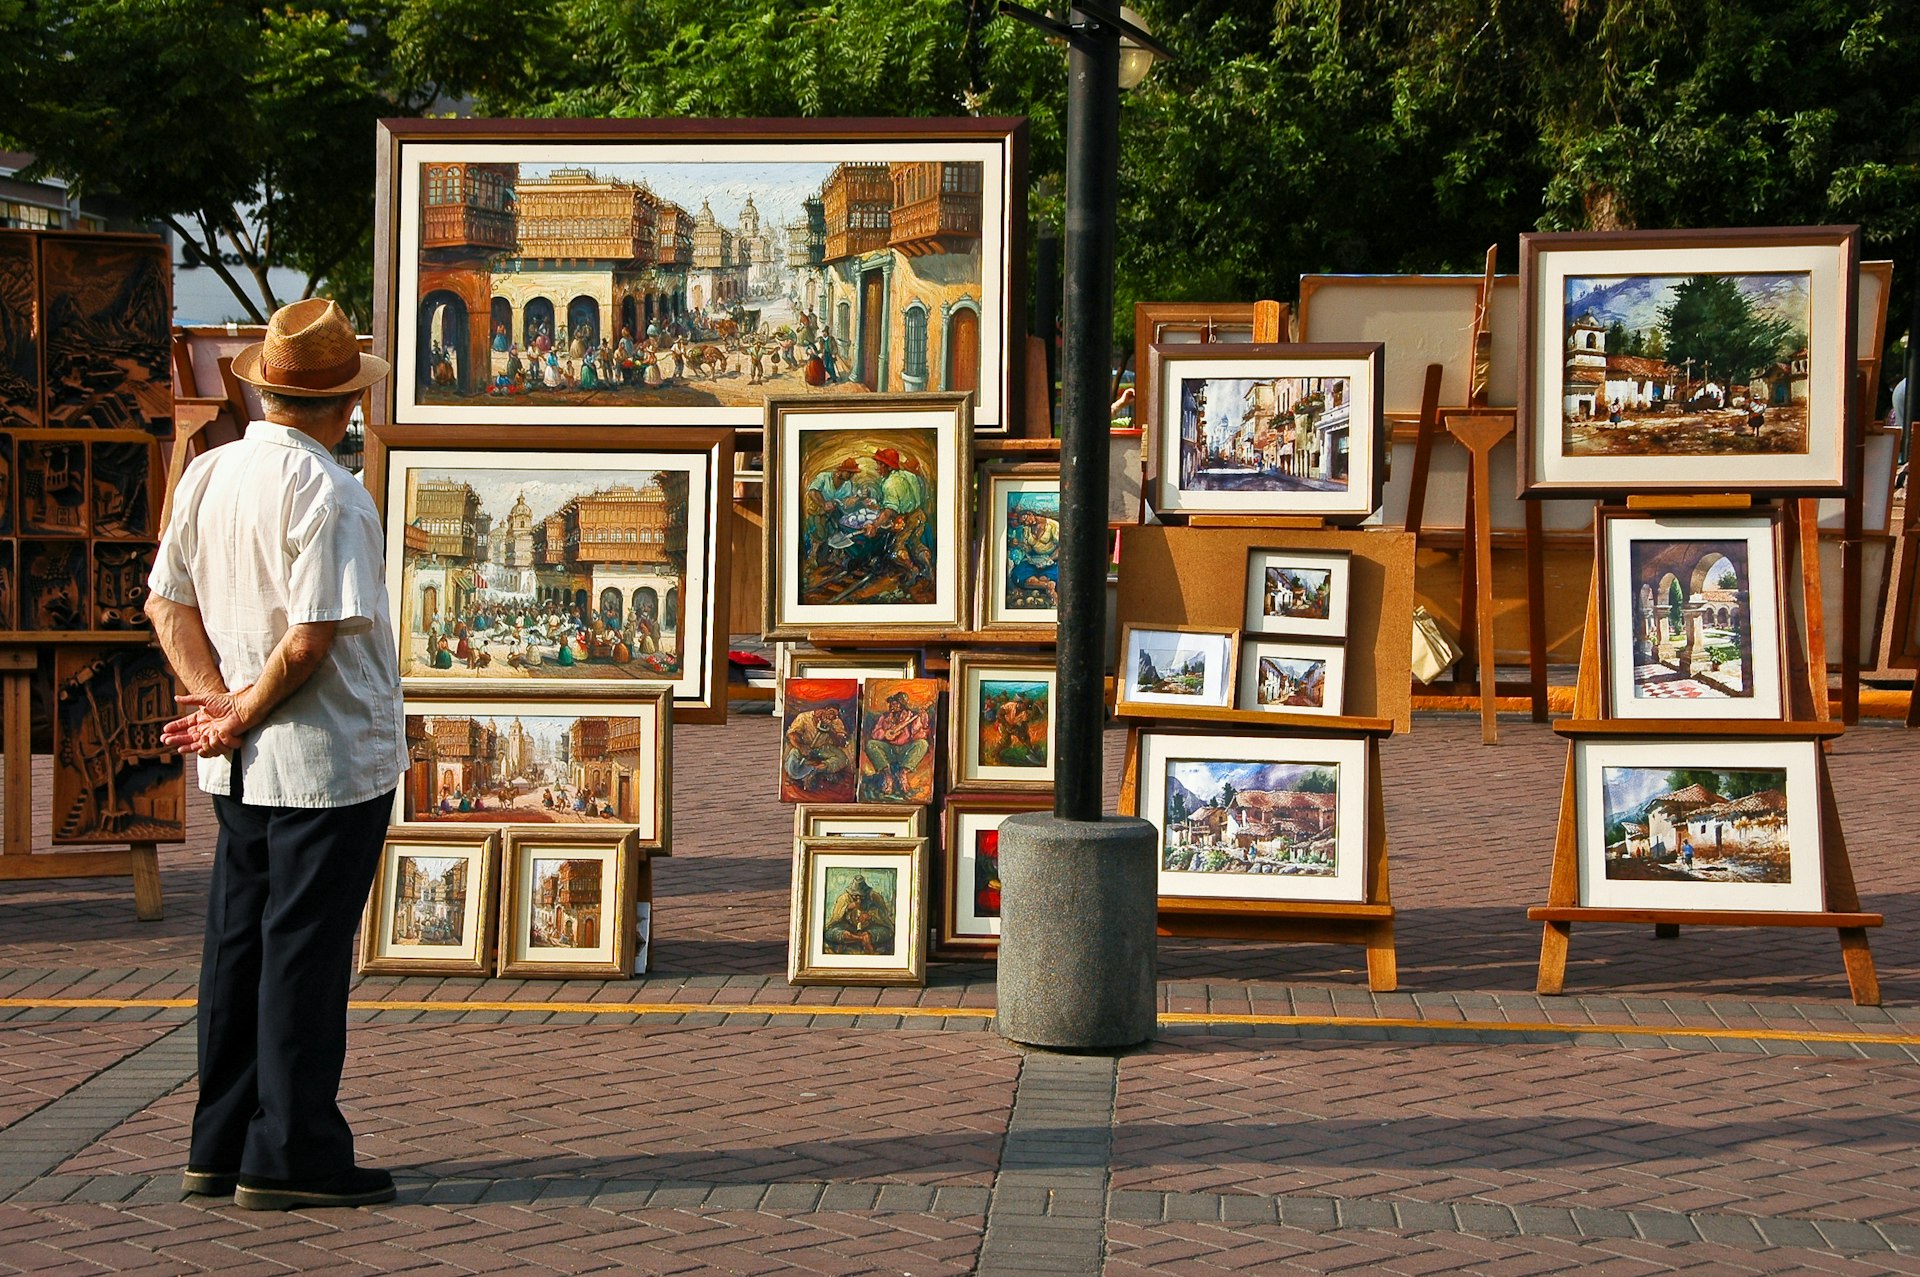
(147, 906)
(1554, 937)
(1536, 611)
(1862, 980)
(1383, 968)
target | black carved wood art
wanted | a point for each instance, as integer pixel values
(107, 333)
(52, 475)
(113, 780)
(53, 585)
(19, 331)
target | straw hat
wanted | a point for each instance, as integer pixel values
(310, 351)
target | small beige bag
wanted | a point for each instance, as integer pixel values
(1434, 650)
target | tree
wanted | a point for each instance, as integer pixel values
(1227, 791)
(1711, 322)
(246, 128)
(1676, 603)
(1176, 807)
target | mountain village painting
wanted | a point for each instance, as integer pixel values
(1170, 670)
(1686, 365)
(1696, 825)
(1224, 817)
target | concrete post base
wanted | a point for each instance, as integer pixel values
(1078, 907)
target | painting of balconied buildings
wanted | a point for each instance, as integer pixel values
(700, 286)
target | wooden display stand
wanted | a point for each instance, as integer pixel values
(1804, 659)
(1172, 579)
(18, 861)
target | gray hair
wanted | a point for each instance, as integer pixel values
(306, 409)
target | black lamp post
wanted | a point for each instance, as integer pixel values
(1079, 892)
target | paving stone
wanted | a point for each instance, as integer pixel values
(1362, 1213)
(1847, 1236)
(1729, 1230)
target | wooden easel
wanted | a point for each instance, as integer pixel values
(18, 861)
(1804, 657)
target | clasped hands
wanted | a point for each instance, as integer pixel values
(215, 726)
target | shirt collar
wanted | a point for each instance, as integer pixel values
(286, 437)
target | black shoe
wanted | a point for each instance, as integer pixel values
(200, 1182)
(357, 1186)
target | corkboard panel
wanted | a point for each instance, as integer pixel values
(1197, 576)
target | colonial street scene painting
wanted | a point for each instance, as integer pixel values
(696, 283)
(566, 904)
(1692, 635)
(1297, 593)
(553, 770)
(550, 573)
(1290, 682)
(1685, 365)
(867, 531)
(1696, 825)
(1277, 434)
(1251, 818)
(429, 900)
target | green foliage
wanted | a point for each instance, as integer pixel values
(1712, 323)
(1727, 785)
(1676, 603)
(1317, 780)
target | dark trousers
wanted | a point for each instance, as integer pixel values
(288, 887)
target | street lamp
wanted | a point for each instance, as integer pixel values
(1079, 898)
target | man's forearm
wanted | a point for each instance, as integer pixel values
(183, 638)
(300, 651)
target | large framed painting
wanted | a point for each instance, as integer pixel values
(431, 911)
(1268, 430)
(970, 869)
(1002, 722)
(567, 903)
(1254, 817)
(1699, 824)
(570, 560)
(683, 272)
(868, 515)
(1687, 361)
(859, 912)
(1692, 615)
(1020, 547)
(602, 764)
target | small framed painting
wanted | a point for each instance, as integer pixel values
(1687, 361)
(567, 903)
(1283, 677)
(820, 741)
(970, 869)
(1268, 430)
(858, 820)
(571, 562)
(431, 911)
(1699, 824)
(1692, 616)
(1298, 593)
(1254, 817)
(897, 737)
(601, 763)
(859, 912)
(1020, 550)
(1186, 667)
(1002, 718)
(868, 506)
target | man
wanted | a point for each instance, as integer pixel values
(860, 921)
(903, 515)
(269, 599)
(819, 749)
(898, 743)
(1036, 559)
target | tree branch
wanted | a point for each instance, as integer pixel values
(208, 253)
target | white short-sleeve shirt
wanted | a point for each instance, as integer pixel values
(266, 533)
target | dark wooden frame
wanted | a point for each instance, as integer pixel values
(716, 443)
(959, 714)
(1375, 430)
(632, 884)
(486, 853)
(774, 565)
(1605, 517)
(946, 942)
(706, 138)
(1535, 348)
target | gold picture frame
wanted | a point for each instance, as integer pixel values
(859, 912)
(446, 914)
(575, 920)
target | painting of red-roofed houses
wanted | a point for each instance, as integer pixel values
(1686, 365)
(1251, 818)
(1696, 825)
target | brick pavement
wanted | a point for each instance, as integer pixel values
(1709, 1103)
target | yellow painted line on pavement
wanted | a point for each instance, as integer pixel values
(1223, 1019)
